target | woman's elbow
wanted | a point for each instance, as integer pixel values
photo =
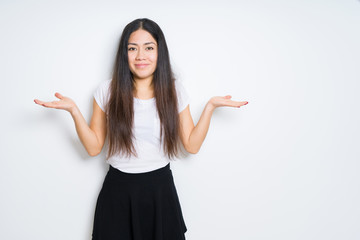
(192, 150)
(94, 152)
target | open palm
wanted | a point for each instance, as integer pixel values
(219, 101)
(64, 103)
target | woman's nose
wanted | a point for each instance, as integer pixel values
(140, 55)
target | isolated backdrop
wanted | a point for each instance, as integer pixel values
(285, 166)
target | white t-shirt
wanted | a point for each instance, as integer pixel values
(146, 131)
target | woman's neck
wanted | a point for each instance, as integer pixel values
(144, 88)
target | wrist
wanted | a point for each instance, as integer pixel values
(209, 106)
(74, 111)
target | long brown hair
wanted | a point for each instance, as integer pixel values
(120, 108)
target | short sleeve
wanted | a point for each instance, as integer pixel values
(183, 96)
(102, 93)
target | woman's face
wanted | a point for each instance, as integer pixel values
(142, 54)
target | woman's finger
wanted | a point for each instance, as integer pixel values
(226, 101)
(64, 103)
(242, 103)
(45, 104)
(37, 101)
(58, 95)
(49, 104)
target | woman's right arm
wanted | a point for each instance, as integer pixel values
(93, 136)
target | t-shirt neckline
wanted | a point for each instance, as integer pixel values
(144, 100)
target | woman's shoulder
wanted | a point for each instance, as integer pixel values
(105, 83)
(101, 93)
(180, 88)
(182, 95)
(103, 87)
(179, 85)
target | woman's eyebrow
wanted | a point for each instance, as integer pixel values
(144, 43)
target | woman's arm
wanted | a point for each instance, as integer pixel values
(192, 136)
(93, 136)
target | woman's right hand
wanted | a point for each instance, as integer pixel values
(64, 103)
(93, 136)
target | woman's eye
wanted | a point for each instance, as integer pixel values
(132, 49)
(149, 48)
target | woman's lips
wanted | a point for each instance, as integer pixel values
(141, 65)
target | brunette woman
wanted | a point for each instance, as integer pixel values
(144, 113)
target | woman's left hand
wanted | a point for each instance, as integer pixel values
(225, 101)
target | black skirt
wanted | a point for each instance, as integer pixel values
(138, 206)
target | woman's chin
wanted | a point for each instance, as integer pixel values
(142, 76)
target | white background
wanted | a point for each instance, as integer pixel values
(285, 166)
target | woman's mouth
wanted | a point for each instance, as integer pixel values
(141, 65)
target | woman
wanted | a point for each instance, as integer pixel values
(144, 113)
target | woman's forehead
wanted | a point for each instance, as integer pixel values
(140, 37)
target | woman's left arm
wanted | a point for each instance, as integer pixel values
(192, 136)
